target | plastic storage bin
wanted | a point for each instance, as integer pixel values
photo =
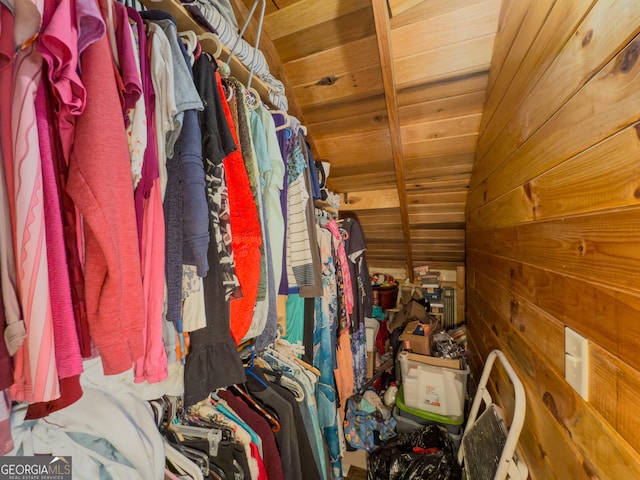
(409, 420)
(434, 389)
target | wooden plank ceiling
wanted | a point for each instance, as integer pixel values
(392, 94)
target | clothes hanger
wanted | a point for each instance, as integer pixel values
(190, 41)
(210, 44)
(253, 98)
(181, 462)
(287, 119)
(274, 422)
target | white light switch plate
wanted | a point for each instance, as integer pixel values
(576, 362)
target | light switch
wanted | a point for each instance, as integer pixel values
(576, 362)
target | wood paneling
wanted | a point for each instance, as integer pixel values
(421, 167)
(334, 61)
(429, 9)
(569, 413)
(605, 243)
(555, 32)
(400, 6)
(355, 84)
(329, 34)
(307, 14)
(583, 183)
(552, 228)
(439, 181)
(448, 127)
(470, 56)
(322, 113)
(449, 107)
(606, 103)
(583, 306)
(587, 51)
(473, 21)
(370, 200)
(441, 146)
(440, 90)
(370, 147)
(510, 21)
(524, 38)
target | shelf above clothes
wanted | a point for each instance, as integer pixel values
(186, 22)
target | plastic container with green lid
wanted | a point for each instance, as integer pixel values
(422, 417)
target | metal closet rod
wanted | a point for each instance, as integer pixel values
(241, 33)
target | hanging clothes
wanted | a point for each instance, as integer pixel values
(325, 344)
(36, 376)
(247, 239)
(213, 361)
(113, 280)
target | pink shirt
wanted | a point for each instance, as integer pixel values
(100, 185)
(36, 375)
(332, 226)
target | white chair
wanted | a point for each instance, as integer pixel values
(489, 448)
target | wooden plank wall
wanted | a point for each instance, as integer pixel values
(553, 228)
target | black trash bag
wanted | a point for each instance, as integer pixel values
(426, 454)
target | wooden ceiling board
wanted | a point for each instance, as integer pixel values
(473, 21)
(307, 14)
(350, 174)
(441, 146)
(431, 198)
(450, 235)
(416, 167)
(367, 200)
(444, 249)
(360, 182)
(426, 173)
(355, 84)
(456, 106)
(447, 127)
(349, 149)
(429, 9)
(323, 36)
(440, 182)
(439, 90)
(350, 125)
(437, 208)
(335, 61)
(463, 58)
(327, 112)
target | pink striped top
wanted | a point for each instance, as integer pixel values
(36, 376)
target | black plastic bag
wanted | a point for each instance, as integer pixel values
(426, 454)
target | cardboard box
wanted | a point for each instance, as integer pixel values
(419, 343)
(456, 363)
(413, 310)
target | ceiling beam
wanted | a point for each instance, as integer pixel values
(383, 32)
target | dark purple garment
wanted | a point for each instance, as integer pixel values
(150, 169)
(200, 19)
(127, 60)
(270, 453)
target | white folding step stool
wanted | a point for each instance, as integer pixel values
(489, 449)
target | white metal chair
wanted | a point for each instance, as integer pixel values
(489, 449)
